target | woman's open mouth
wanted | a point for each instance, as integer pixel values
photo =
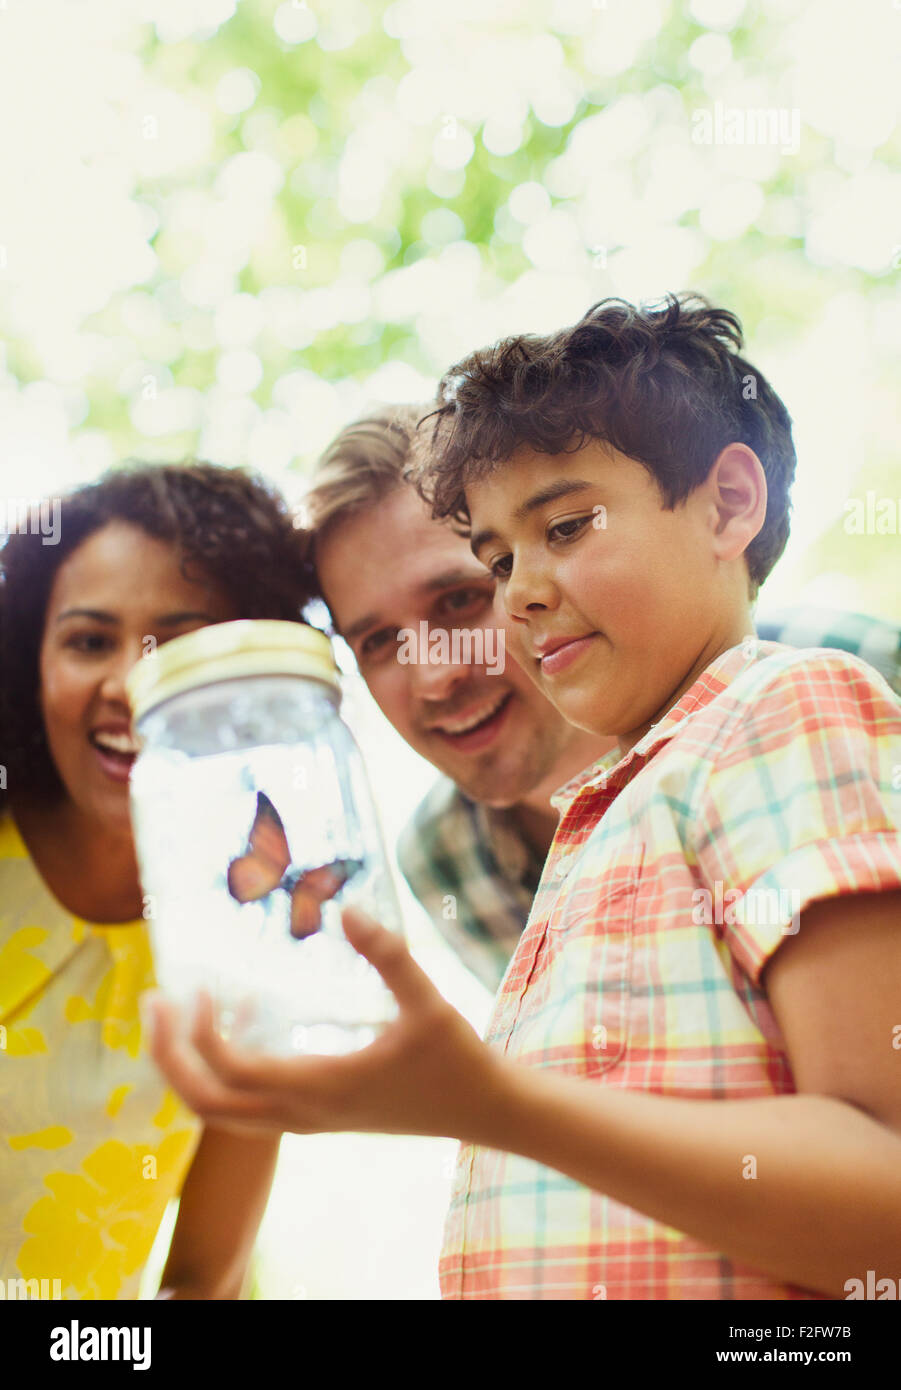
(116, 752)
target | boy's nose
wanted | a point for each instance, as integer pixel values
(528, 591)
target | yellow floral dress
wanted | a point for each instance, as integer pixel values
(92, 1143)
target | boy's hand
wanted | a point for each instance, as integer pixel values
(427, 1073)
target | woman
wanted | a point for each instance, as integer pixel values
(94, 1145)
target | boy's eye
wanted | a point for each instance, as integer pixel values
(500, 569)
(567, 530)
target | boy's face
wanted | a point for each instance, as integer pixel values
(612, 604)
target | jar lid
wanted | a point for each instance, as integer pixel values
(226, 651)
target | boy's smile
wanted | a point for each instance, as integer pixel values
(612, 603)
(555, 654)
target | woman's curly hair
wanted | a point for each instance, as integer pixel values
(230, 527)
(663, 384)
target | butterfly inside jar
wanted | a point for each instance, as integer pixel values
(266, 866)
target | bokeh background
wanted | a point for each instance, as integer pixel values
(227, 228)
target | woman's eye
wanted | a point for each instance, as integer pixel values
(89, 642)
(500, 569)
(566, 530)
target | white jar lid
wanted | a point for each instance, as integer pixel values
(226, 651)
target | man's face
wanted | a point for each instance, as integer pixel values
(610, 602)
(393, 567)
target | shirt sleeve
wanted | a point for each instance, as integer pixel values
(877, 641)
(801, 802)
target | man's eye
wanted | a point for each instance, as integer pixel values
(465, 599)
(567, 530)
(377, 642)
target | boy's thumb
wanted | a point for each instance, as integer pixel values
(362, 926)
(388, 952)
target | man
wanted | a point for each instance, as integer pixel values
(474, 849)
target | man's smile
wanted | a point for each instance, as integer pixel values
(476, 724)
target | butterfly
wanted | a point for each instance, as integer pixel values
(264, 866)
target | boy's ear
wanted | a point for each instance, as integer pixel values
(738, 495)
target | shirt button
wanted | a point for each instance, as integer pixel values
(562, 867)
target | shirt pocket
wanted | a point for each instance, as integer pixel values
(577, 1008)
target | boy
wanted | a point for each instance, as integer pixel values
(478, 842)
(690, 1084)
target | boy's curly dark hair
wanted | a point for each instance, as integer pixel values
(663, 384)
(231, 528)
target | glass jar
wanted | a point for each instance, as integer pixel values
(254, 826)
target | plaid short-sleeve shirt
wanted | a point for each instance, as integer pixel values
(472, 868)
(675, 873)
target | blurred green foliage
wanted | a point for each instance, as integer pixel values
(279, 210)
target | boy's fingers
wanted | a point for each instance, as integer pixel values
(159, 1018)
(203, 1092)
(251, 1071)
(388, 952)
(263, 1075)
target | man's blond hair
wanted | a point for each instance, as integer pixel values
(363, 464)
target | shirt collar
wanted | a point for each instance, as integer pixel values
(614, 769)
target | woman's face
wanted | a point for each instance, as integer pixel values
(113, 599)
